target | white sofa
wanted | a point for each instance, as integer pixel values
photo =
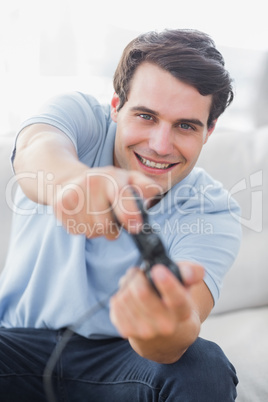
(236, 154)
(239, 322)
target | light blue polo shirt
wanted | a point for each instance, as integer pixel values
(52, 278)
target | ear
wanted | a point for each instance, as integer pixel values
(114, 105)
(210, 130)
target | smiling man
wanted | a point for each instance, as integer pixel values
(77, 162)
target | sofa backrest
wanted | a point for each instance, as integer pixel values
(239, 160)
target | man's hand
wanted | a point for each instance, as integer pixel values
(99, 200)
(160, 329)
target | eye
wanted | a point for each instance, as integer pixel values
(145, 116)
(186, 126)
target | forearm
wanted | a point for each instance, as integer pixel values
(40, 167)
(49, 172)
(167, 349)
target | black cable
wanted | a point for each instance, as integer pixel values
(68, 333)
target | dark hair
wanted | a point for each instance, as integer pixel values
(189, 55)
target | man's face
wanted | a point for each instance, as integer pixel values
(162, 127)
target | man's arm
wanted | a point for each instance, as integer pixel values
(161, 329)
(77, 192)
(45, 149)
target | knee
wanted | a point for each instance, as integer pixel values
(217, 372)
(202, 374)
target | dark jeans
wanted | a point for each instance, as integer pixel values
(109, 371)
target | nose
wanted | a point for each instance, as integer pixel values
(161, 140)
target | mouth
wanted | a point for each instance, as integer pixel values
(154, 165)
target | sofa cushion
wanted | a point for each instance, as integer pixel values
(243, 337)
(239, 160)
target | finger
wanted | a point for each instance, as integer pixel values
(134, 185)
(122, 318)
(151, 310)
(122, 200)
(127, 210)
(67, 203)
(144, 186)
(174, 295)
(141, 296)
(154, 314)
(128, 277)
(191, 272)
(129, 316)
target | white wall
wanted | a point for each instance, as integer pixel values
(53, 46)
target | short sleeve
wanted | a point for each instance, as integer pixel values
(79, 116)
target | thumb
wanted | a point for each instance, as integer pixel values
(191, 272)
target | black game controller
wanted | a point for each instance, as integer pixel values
(152, 248)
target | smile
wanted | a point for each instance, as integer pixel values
(154, 165)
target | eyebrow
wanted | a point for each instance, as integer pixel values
(144, 109)
(196, 122)
(150, 111)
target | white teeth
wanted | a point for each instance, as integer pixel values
(154, 164)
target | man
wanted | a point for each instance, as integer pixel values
(77, 163)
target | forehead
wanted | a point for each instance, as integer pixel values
(159, 90)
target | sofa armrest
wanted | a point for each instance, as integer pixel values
(6, 143)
